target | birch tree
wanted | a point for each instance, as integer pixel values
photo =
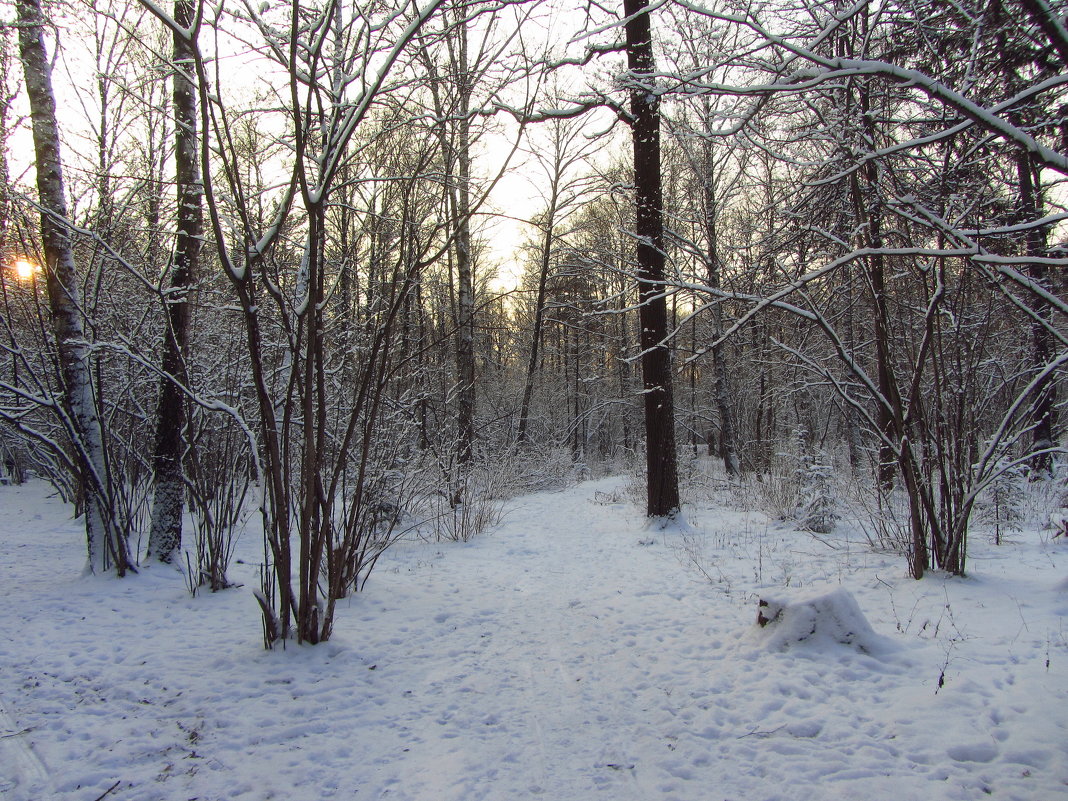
(106, 546)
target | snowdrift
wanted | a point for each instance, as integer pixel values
(833, 619)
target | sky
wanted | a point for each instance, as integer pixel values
(515, 198)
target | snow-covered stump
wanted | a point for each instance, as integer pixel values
(831, 619)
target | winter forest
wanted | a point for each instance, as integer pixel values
(293, 291)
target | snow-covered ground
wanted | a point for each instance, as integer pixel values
(568, 654)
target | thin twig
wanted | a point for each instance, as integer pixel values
(756, 733)
(108, 791)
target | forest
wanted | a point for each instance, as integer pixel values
(369, 267)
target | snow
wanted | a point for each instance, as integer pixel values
(570, 653)
(825, 620)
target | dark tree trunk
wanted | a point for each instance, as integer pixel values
(1044, 405)
(165, 535)
(662, 477)
(728, 450)
(539, 317)
(869, 214)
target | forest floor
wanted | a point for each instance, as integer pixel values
(568, 654)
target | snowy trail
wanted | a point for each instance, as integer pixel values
(568, 655)
(23, 771)
(530, 659)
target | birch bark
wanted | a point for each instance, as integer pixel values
(106, 549)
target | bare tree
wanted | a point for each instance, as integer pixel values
(926, 394)
(661, 459)
(106, 545)
(165, 535)
(567, 149)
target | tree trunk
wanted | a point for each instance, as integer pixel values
(661, 461)
(623, 363)
(1044, 405)
(728, 450)
(106, 548)
(867, 210)
(465, 292)
(888, 403)
(539, 317)
(165, 534)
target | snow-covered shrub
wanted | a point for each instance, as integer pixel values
(778, 491)
(635, 488)
(818, 507)
(883, 515)
(474, 507)
(1043, 500)
(1000, 505)
(218, 473)
(798, 486)
(702, 479)
(535, 470)
(216, 524)
(12, 469)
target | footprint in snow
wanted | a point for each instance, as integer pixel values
(973, 752)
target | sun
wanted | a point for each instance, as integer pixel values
(25, 270)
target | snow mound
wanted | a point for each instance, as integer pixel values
(824, 620)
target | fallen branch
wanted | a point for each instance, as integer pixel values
(108, 791)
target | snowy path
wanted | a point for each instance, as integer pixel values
(23, 771)
(569, 655)
(531, 665)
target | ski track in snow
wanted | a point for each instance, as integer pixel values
(570, 654)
